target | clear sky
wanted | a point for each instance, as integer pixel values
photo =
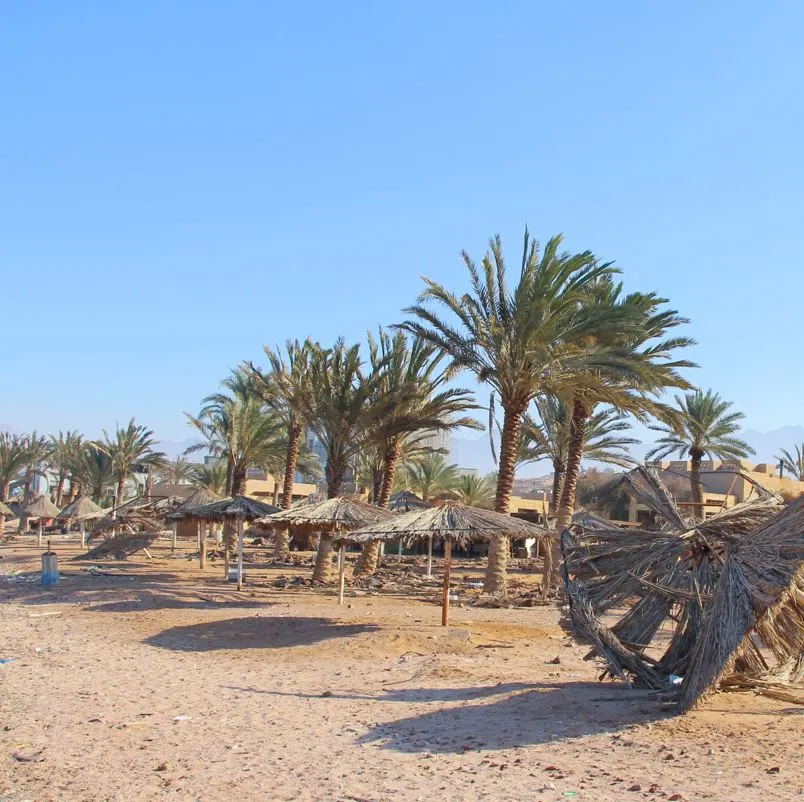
(181, 182)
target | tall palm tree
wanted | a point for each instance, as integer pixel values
(336, 409)
(62, 448)
(130, 448)
(549, 438)
(627, 367)
(475, 491)
(793, 463)
(13, 452)
(512, 340)
(411, 402)
(431, 475)
(707, 429)
(285, 388)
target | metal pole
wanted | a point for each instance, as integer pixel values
(445, 602)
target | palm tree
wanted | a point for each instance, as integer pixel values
(178, 471)
(130, 448)
(92, 470)
(212, 476)
(285, 388)
(37, 453)
(793, 464)
(336, 409)
(62, 449)
(12, 460)
(475, 491)
(549, 438)
(512, 340)
(431, 476)
(707, 428)
(411, 402)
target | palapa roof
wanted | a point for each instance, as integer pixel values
(41, 507)
(243, 507)
(81, 509)
(199, 497)
(730, 590)
(334, 515)
(129, 523)
(460, 524)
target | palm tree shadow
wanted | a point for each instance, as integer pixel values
(542, 714)
(254, 633)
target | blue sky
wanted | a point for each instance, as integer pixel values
(182, 182)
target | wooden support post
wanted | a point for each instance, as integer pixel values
(447, 560)
(83, 535)
(203, 551)
(41, 528)
(198, 534)
(399, 547)
(341, 571)
(430, 556)
(240, 554)
(175, 535)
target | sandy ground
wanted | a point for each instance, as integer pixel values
(163, 681)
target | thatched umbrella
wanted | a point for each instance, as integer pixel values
(82, 510)
(333, 517)
(41, 508)
(405, 501)
(235, 508)
(455, 524)
(199, 497)
(724, 586)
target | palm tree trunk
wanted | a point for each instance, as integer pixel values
(294, 442)
(696, 486)
(496, 572)
(149, 483)
(60, 489)
(567, 504)
(370, 554)
(121, 487)
(558, 483)
(323, 559)
(282, 537)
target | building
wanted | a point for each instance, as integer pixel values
(724, 483)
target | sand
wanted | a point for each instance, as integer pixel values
(161, 681)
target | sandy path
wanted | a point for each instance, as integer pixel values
(291, 697)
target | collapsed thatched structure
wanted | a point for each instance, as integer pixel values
(82, 508)
(730, 591)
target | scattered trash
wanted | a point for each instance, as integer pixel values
(327, 694)
(556, 661)
(31, 757)
(42, 615)
(4, 660)
(164, 766)
(674, 679)
(182, 718)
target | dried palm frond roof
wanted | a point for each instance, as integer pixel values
(120, 546)
(82, 508)
(41, 507)
(130, 523)
(699, 581)
(199, 497)
(233, 507)
(405, 500)
(154, 507)
(462, 525)
(333, 515)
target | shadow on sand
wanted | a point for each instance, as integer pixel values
(541, 714)
(501, 716)
(254, 633)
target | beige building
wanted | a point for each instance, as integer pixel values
(725, 483)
